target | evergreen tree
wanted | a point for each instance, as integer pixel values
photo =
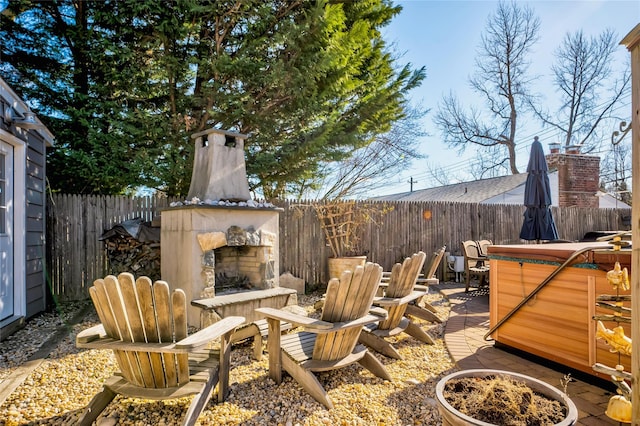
(123, 83)
(50, 55)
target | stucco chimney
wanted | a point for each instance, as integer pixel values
(219, 169)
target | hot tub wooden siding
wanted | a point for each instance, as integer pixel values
(557, 324)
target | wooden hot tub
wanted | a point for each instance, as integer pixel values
(557, 323)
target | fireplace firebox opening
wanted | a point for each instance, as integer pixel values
(237, 268)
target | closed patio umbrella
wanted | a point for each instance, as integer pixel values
(538, 222)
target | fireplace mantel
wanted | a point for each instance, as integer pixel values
(226, 206)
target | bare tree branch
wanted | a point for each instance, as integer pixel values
(583, 77)
(372, 166)
(502, 79)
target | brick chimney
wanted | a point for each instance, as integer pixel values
(578, 177)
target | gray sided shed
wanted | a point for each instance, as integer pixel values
(23, 143)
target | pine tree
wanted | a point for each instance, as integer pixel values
(123, 83)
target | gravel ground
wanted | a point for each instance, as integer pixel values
(60, 387)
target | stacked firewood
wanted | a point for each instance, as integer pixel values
(127, 254)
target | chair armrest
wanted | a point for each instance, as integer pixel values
(391, 301)
(427, 281)
(477, 258)
(319, 327)
(212, 332)
(295, 319)
(382, 313)
(358, 322)
(416, 287)
(90, 334)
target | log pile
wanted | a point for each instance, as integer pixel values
(126, 254)
(133, 246)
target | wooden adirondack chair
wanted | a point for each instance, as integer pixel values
(483, 245)
(330, 342)
(398, 294)
(475, 265)
(433, 265)
(420, 308)
(146, 327)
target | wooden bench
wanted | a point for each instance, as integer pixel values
(244, 304)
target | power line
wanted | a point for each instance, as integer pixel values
(543, 135)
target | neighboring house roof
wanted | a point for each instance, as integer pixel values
(499, 190)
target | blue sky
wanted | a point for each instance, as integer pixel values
(444, 35)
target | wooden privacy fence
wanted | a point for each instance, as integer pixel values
(75, 256)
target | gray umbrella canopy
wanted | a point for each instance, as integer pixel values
(538, 222)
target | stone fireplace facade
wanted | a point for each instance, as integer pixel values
(200, 242)
(220, 235)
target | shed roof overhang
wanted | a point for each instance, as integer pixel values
(10, 99)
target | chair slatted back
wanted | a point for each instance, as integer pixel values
(483, 245)
(137, 311)
(148, 318)
(435, 262)
(401, 283)
(347, 298)
(470, 250)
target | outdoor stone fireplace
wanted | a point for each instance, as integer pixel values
(219, 236)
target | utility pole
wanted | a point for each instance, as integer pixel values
(411, 181)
